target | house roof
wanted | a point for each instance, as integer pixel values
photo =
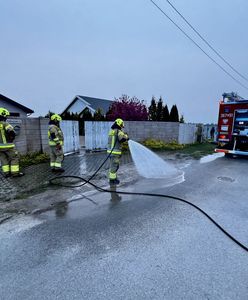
(93, 103)
(10, 101)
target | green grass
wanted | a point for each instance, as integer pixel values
(198, 150)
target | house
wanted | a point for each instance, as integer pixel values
(80, 103)
(16, 109)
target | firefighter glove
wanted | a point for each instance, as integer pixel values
(10, 136)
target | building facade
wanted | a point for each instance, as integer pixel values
(15, 108)
(80, 103)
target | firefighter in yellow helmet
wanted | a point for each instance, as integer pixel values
(116, 137)
(8, 155)
(56, 141)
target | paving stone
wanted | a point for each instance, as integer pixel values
(38, 176)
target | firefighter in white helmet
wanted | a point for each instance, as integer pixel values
(116, 137)
(9, 157)
(56, 141)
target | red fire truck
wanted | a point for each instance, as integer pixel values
(233, 125)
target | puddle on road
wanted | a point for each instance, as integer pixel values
(150, 166)
(224, 178)
(211, 157)
(151, 185)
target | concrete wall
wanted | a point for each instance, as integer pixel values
(187, 133)
(28, 138)
(141, 130)
(43, 134)
(33, 137)
(96, 133)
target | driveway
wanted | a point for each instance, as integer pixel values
(107, 246)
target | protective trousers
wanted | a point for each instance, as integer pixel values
(56, 157)
(114, 166)
(9, 161)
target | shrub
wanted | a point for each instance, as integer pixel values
(161, 145)
(33, 158)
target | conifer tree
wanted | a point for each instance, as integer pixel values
(182, 119)
(98, 115)
(159, 112)
(109, 114)
(86, 115)
(49, 114)
(153, 110)
(174, 116)
(165, 114)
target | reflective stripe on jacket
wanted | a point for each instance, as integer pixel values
(115, 138)
(4, 128)
(55, 135)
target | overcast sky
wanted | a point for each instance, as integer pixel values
(52, 50)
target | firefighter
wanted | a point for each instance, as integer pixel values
(199, 133)
(8, 155)
(116, 137)
(212, 131)
(56, 141)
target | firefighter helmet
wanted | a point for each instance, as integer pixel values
(4, 112)
(56, 117)
(119, 122)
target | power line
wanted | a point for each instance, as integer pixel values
(209, 45)
(213, 60)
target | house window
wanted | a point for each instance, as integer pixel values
(12, 114)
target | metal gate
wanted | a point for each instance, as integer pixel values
(71, 136)
(96, 135)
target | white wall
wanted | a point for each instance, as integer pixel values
(78, 107)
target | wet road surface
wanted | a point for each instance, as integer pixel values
(135, 247)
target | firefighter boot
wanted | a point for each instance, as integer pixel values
(20, 174)
(58, 170)
(114, 181)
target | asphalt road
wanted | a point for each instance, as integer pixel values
(138, 247)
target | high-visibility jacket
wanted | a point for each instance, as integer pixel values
(115, 138)
(5, 128)
(55, 135)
